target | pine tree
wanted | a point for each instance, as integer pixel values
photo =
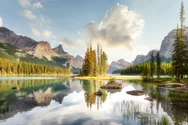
(179, 57)
(158, 65)
(152, 65)
(146, 72)
(175, 57)
(104, 63)
(85, 66)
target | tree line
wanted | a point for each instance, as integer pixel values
(27, 68)
(95, 62)
(149, 68)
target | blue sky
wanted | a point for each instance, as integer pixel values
(75, 23)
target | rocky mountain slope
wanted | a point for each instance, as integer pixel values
(75, 62)
(118, 65)
(39, 49)
(143, 58)
(167, 48)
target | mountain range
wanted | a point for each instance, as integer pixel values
(23, 48)
(39, 50)
(118, 65)
(166, 49)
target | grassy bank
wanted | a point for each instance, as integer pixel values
(105, 78)
(167, 80)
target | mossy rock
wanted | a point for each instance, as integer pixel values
(136, 92)
(112, 85)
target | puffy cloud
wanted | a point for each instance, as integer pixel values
(69, 42)
(37, 5)
(1, 22)
(29, 14)
(41, 33)
(24, 3)
(120, 27)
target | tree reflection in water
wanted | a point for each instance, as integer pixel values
(90, 88)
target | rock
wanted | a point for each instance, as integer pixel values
(75, 62)
(181, 90)
(43, 49)
(112, 85)
(99, 93)
(167, 48)
(136, 92)
(149, 98)
(59, 50)
(14, 87)
(172, 85)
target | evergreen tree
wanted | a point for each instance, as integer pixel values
(85, 66)
(179, 56)
(158, 65)
(104, 63)
(146, 72)
(152, 65)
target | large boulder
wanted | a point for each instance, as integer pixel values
(112, 85)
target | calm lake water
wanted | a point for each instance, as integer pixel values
(63, 101)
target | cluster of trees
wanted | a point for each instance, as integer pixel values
(150, 68)
(180, 53)
(25, 68)
(95, 62)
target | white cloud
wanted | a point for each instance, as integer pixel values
(1, 22)
(69, 42)
(79, 33)
(29, 14)
(24, 3)
(41, 33)
(120, 27)
(37, 5)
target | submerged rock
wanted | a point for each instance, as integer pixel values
(99, 93)
(149, 98)
(112, 85)
(136, 92)
(14, 87)
(172, 85)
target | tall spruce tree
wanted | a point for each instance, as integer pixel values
(158, 65)
(152, 65)
(179, 57)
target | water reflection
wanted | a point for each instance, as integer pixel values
(90, 88)
(68, 101)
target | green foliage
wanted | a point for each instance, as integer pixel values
(164, 121)
(95, 63)
(25, 68)
(146, 72)
(10, 52)
(166, 69)
(179, 57)
(158, 65)
(152, 65)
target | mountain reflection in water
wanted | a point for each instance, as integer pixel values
(68, 101)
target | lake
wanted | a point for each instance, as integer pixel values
(66, 101)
